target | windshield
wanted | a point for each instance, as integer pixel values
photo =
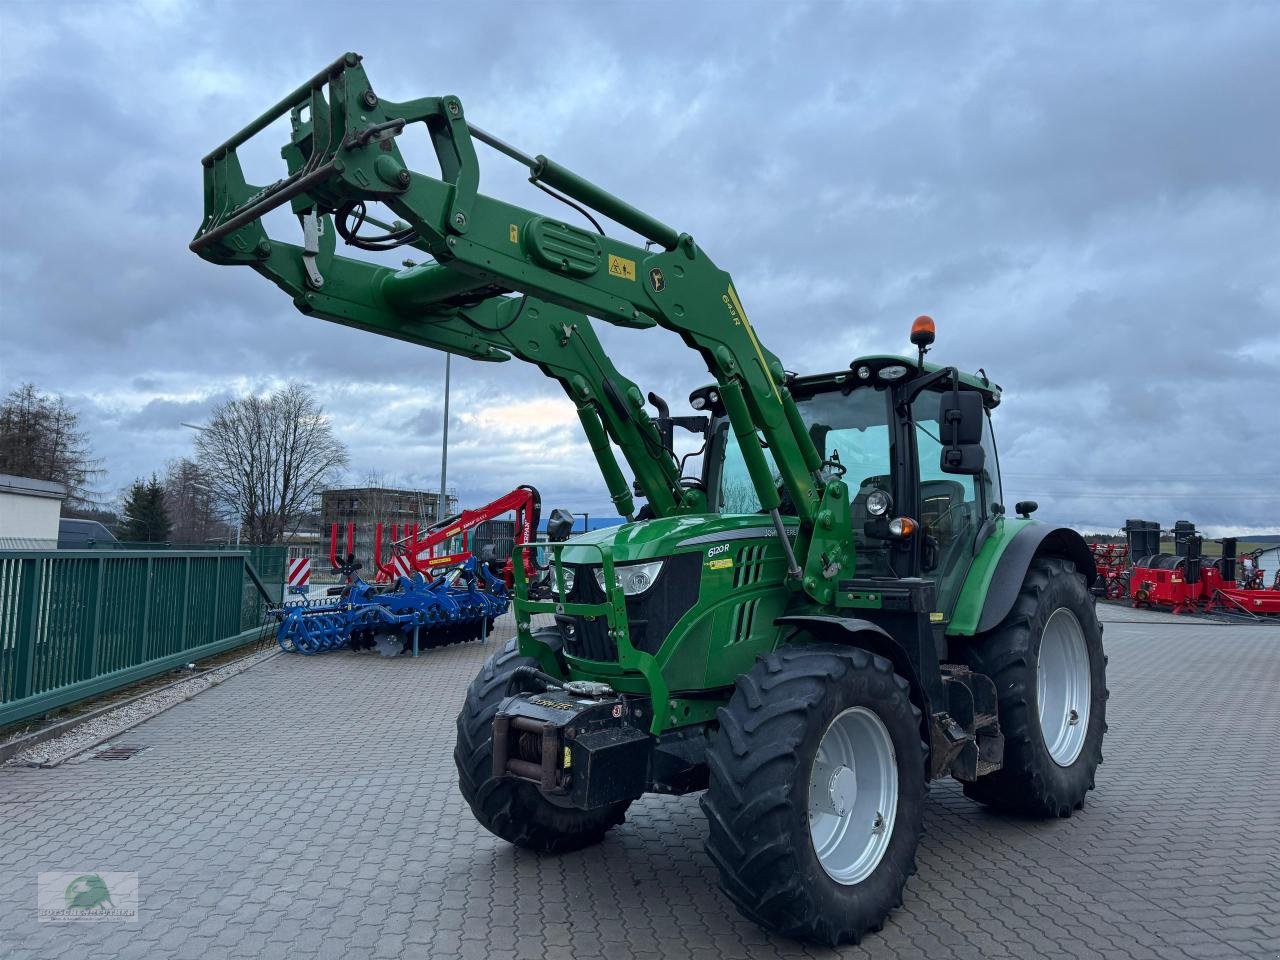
(853, 430)
(849, 429)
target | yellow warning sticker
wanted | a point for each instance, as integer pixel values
(724, 563)
(568, 758)
(622, 267)
(935, 617)
(515, 234)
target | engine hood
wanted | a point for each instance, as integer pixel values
(654, 539)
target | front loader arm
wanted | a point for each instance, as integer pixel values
(343, 153)
(561, 343)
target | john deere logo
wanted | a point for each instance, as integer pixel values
(658, 280)
(88, 892)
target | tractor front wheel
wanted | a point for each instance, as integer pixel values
(817, 792)
(1050, 673)
(516, 810)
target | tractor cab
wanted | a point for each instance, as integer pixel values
(913, 442)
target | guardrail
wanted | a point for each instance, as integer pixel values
(77, 623)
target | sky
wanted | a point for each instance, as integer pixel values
(1086, 197)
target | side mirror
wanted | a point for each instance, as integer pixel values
(559, 525)
(960, 422)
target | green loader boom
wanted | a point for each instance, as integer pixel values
(343, 154)
(837, 610)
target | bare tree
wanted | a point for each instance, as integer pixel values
(267, 457)
(192, 503)
(40, 438)
(375, 499)
(738, 495)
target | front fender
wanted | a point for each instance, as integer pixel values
(872, 637)
(856, 632)
(998, 570)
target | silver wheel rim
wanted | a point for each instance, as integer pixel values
(1063, 687)
(853, 795)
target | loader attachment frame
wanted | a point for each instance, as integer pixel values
(343, 153)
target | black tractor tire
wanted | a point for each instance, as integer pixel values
(1030, 782)
(516, 810)
(757, 805)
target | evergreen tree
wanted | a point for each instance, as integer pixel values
(146, 517)
(41, 438)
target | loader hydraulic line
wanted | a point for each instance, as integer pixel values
(343, 154)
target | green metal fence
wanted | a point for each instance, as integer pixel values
(75, 623)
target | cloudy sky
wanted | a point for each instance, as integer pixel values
(1086, 197)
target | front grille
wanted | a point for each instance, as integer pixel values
(744, 621)
(750, 565)
(650, 616)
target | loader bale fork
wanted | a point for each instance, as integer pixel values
(836, 609)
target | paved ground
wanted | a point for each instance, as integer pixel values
(308, 808)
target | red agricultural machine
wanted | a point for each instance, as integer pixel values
(446, 543)
(1184, 581)
(1112, 561)
(401, 550)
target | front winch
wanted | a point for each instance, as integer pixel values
(581, 742)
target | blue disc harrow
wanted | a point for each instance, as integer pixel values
(454, 608)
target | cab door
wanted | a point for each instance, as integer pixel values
(953, 507)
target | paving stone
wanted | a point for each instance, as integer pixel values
(309, 807)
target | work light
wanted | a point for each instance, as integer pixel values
(878, 503)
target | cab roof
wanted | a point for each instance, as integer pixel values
(821, 382)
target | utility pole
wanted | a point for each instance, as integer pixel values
(442, 503)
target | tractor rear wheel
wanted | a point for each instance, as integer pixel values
(817, 792)
(1050, 673)
(516, 810)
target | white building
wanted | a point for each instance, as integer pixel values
(29, 513)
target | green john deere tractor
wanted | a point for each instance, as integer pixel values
(833, 612)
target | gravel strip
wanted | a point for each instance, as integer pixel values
(90, 734)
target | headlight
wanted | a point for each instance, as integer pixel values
(634, 578)
(878, 503)
(895, 372)
(568, 580)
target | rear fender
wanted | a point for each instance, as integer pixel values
(1000, 567)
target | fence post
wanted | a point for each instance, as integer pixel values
(217, 593)
(146, 614)
(89, 653)
(186, 596)
(28, 629)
